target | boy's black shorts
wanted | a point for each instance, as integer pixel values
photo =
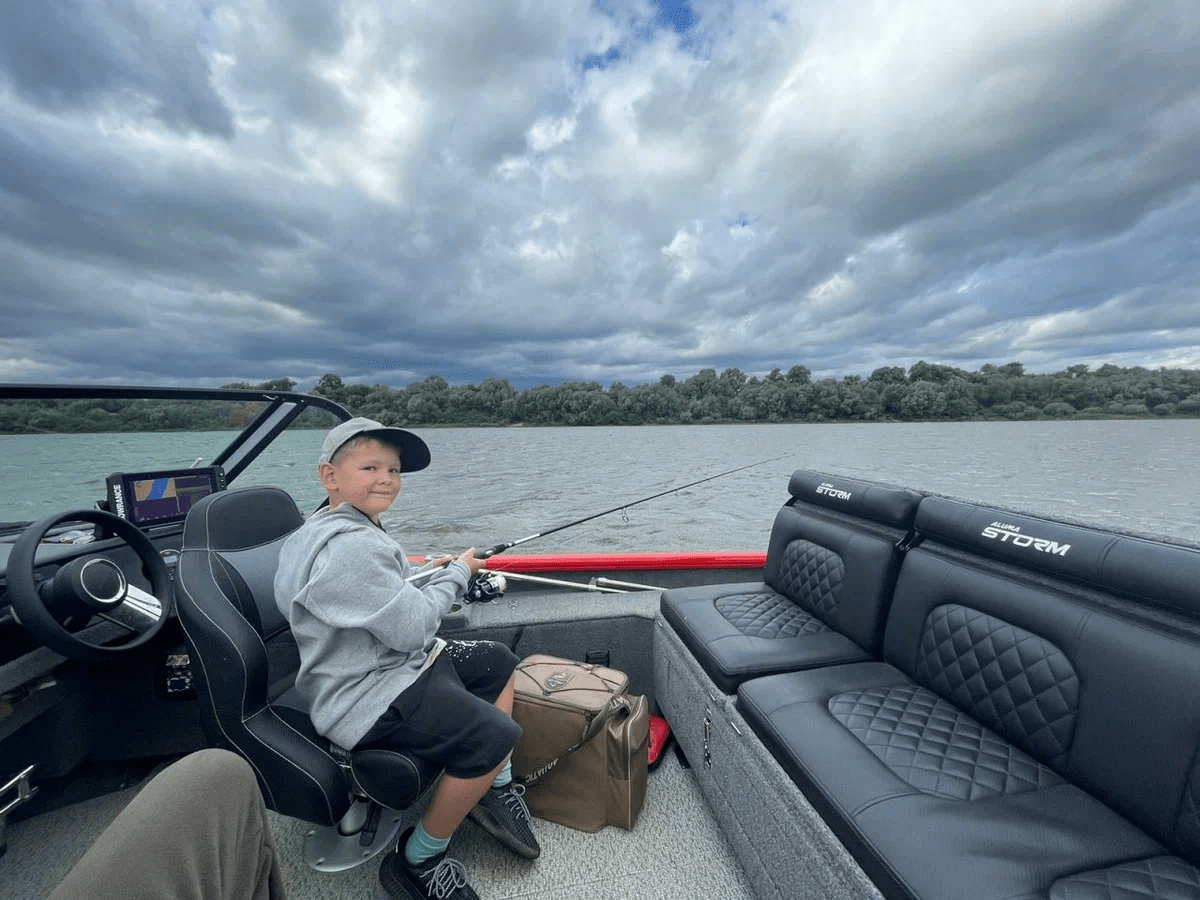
(448, 714)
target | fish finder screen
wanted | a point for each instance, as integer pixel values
(161, 498)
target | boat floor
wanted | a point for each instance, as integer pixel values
(675, 849)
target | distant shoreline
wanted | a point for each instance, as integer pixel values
(923, 393)
(717, 423)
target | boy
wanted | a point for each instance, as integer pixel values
(374, 671)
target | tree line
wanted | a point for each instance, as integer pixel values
(925, 392)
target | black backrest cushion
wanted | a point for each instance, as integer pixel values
(1092, 670)
(1001, 650)
(1159, 574)
(243, 518)
(837, 572)
(242, 530)
(255, 567)
(832, 550)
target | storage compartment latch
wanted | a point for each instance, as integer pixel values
(21, 789)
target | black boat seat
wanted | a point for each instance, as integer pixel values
(1033, 730)
(245, 662)
(831, 564)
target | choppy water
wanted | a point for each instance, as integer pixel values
(492, 485)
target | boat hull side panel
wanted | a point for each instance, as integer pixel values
(785, 847)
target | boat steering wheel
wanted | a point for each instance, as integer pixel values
(57, 609)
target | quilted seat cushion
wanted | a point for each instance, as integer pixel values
(935, 748)
(740, 631)
(1101, 696)
(931, 804)
(811, 576)
(766, 614)
(1160, 877)
(822, 601)
(1009, 678)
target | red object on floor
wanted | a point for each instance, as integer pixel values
(660, 732)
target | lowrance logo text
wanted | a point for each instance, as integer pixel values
(1011, 534)
(119, 501)
(826, 488)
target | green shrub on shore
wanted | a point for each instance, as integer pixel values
(925, 392)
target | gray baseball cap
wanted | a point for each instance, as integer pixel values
(414, 452)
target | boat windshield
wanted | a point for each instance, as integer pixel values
(58, 454)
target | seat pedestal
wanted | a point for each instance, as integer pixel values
(366, 830)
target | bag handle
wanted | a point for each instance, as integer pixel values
(615, 704)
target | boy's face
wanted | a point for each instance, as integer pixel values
(366, 475)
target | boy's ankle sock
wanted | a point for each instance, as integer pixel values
(422, 847)
(504, 778)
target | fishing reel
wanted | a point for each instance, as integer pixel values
(485, 587)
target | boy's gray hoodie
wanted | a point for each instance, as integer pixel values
(364, 633)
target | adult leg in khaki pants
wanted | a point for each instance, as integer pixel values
(197, 831)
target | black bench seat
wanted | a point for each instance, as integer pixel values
(931, 804)
(831, 565)
(1032, 729)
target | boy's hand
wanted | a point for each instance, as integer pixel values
(468, 557)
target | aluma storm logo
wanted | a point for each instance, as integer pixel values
(826, 488)
(1011, 534)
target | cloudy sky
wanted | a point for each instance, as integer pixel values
(200, 191)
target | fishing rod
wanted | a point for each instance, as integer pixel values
(500, 548)
(508, 545)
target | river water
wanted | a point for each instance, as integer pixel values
(491, 485)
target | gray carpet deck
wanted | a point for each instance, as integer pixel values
(675, 850)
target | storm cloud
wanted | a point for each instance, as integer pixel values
(201, 191)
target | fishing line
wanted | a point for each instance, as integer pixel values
(500, 548)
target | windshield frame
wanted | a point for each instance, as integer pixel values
(280, 410)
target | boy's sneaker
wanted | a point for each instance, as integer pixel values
(502, 813)
(439, 878)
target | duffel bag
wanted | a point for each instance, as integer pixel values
(584, 743)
